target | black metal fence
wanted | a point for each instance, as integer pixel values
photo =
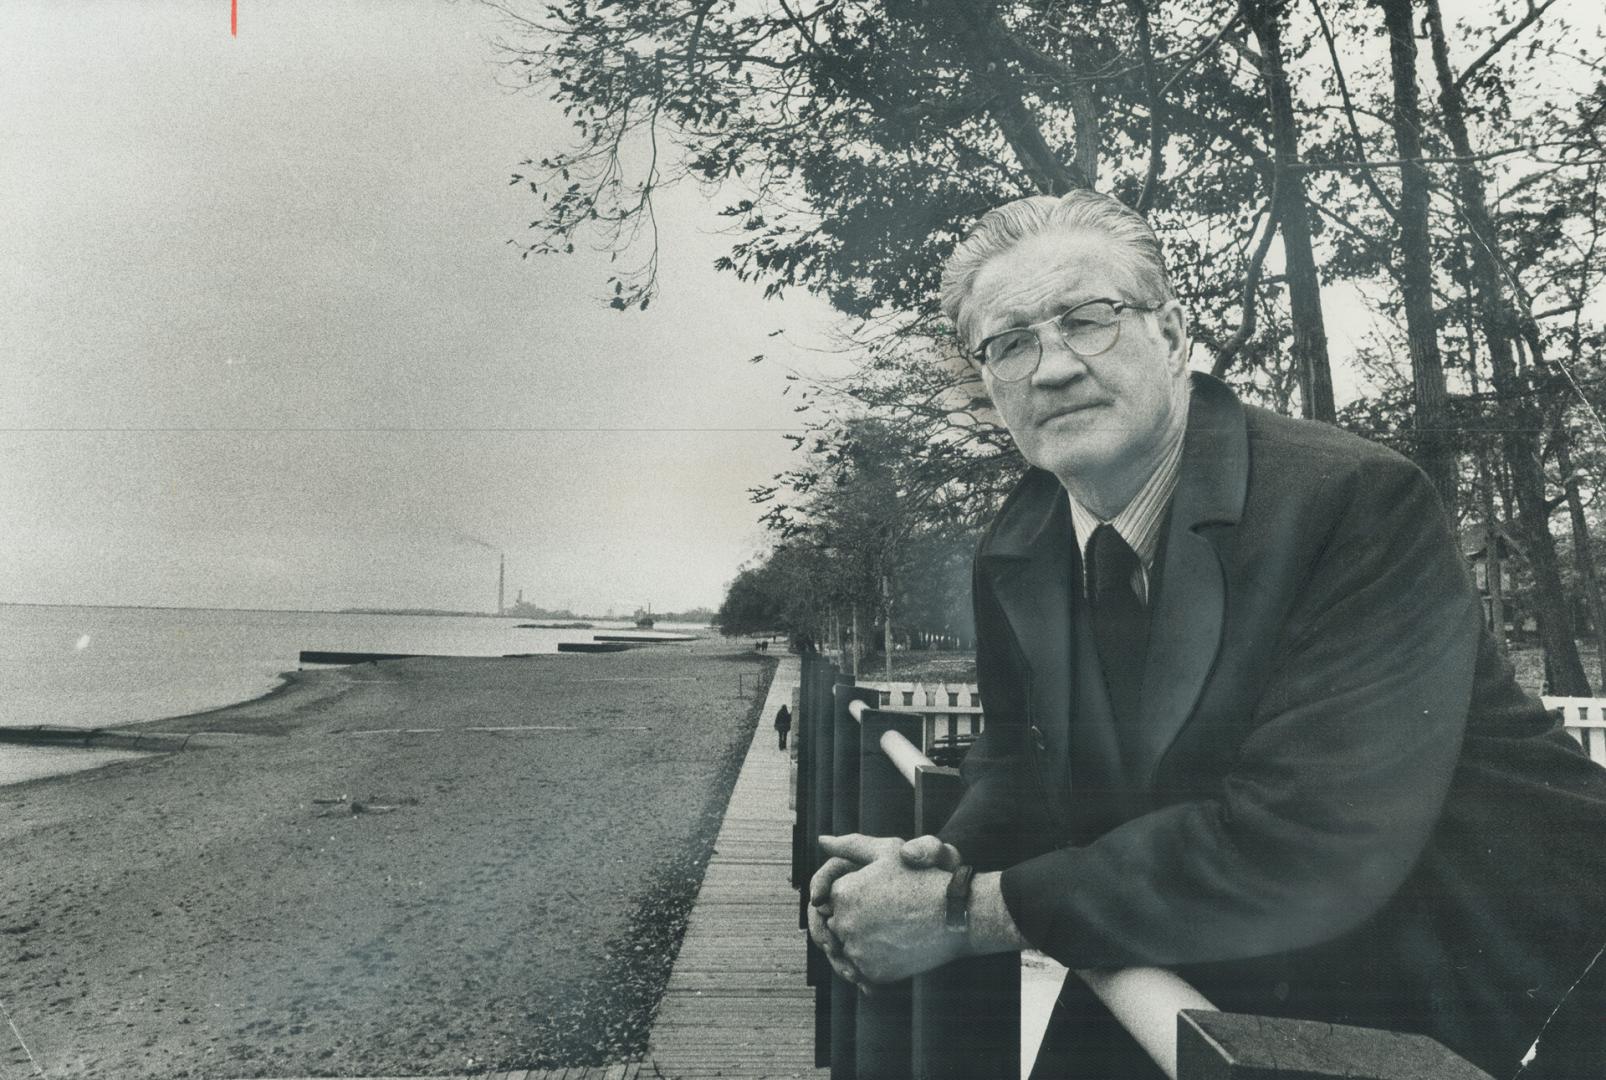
(862, 769)
(960, 1021)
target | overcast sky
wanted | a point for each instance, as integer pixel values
(265, 344)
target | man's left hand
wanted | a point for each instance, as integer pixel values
(887, 915)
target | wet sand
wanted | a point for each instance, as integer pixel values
(422, 866)
(22, 763)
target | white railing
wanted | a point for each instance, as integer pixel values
(1585, 720)
(952, 710)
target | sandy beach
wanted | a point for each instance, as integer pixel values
(422, 866)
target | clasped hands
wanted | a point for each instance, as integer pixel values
(876, 907)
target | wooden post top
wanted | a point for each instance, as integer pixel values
(1233, 1046)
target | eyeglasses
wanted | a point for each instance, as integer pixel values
(1087, 329)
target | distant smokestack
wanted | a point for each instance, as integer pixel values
(501, 582)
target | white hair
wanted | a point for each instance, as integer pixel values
(1001, 228)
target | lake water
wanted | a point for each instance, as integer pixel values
(99, 666)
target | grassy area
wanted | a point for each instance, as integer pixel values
(936, 665)
(1529, 661)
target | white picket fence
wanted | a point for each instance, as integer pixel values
(953, 710)
(1585, 720)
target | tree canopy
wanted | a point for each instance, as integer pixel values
(1308, 163)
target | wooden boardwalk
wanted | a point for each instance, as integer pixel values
(737, 1005)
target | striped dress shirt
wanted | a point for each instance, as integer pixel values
(1139, 521)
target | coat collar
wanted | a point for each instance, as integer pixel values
(1027, 554)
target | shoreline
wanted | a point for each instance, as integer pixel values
(113, 744)
(40, 752)
(122, 666)
(286, 685)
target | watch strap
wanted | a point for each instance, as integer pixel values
(956, 913)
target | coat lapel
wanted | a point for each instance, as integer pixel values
(1186, 622)
(1027, 556)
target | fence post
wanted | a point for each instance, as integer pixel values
(802, 738)
(966, 1015)
(845, 819)
(886, 808)
(807, 816)
(822, 728)
(1233, 1046)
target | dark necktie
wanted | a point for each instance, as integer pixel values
(1120, 621)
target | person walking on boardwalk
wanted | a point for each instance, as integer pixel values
(1244, 719)
(783, 724)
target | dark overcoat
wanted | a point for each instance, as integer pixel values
(1337, 803)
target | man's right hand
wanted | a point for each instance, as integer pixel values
(917, 854)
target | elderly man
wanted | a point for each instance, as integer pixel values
(1243, 718)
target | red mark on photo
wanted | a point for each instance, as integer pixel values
(234, 18)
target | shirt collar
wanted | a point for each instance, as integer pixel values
(1139, 521)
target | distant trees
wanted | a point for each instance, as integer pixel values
(1308, 162)
(873, 535)
(779, 594)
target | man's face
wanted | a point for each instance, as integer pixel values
(1093, 420)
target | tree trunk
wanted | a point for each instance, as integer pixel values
(858, 651)
(1493, 561)
(1518, 418)
(1493, 570)
(886, 621)
(1583, 560)
(1434, 450)
(1085, 123)
(1508, 502)
(1304, 281)
(1151, 88)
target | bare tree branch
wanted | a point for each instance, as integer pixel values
(1157, 128)
(975, 33)
(1349, 114)
(1447, 159)
(1246, 328)
(1187, 65)
(1493, 50)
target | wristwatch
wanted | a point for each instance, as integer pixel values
(956, 915)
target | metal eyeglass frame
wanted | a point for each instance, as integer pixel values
(979, 354)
